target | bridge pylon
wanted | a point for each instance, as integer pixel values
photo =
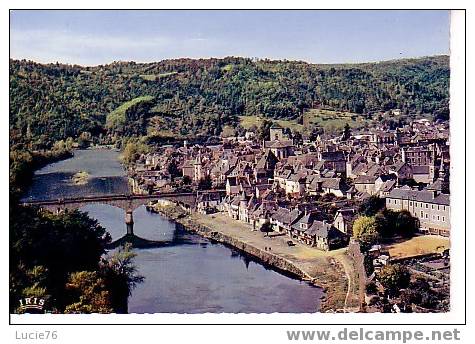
(129, 221)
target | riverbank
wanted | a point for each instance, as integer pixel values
(332, 271)
(24, 163)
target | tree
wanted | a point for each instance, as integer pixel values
(120, 276)
(26, 283)
(173, 169)
(298, 139)
(385, 222)
(133, 151)
(394, 277)
(187, 180)
(264, 130)
(366, 231)
(90, 293)
(314, 133)
(346, 132)
(364, 225)
(52, 102)
(406, 225)
(241, 131)
(371, 288)
(288, 133)
(229, 132)
(205, 183)
(84, 139)
(371, 206)
(420, 293)
(390, 223)
(266, 228)
(58, 243)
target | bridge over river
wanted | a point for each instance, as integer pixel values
(127, 202)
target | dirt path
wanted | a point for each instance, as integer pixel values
(346, 269)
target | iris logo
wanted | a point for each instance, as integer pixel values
(34, 304)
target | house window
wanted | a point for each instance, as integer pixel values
(422, 214)
(443, 218)
(438, 218)
(432, 206)
(427, 216)
(410, 203)
(427, 206)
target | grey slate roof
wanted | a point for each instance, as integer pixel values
(323, 230)
(365, 179)
(419, 196)
(333, 156)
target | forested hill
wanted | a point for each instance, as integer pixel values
(50, 102)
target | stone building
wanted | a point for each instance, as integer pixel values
(276, 133)
(431, 207)
(419, 155)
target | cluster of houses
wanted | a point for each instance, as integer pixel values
(310, 190)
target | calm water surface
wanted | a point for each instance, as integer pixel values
(106, 176)
(189, 275)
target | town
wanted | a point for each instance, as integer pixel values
(376, 187)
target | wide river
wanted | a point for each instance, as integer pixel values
(189, 275)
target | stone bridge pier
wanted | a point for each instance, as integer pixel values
(129, 221)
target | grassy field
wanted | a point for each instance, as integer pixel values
(249, 121)
(331, 121)
(153, 77)
(148, 77)
(418, 245)
(227, 68)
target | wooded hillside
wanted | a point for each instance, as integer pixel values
(186, 97)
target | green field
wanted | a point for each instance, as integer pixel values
(153, 77)
(332, 121)
(329, 120)
(249, 121)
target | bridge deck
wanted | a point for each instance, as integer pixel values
(117, 197)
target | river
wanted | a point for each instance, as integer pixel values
(189, 275)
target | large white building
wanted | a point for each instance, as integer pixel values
(431, 207)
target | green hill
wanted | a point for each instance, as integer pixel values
(186, 97)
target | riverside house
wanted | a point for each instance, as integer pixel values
(317, 233)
